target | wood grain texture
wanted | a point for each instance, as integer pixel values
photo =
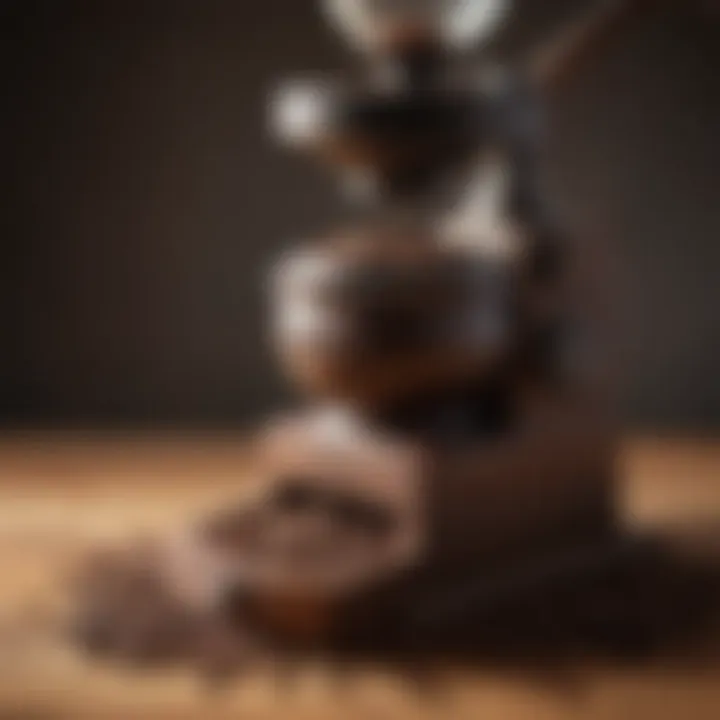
(60, 494)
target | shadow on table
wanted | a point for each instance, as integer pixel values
(652, 602)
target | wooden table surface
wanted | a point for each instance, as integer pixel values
(60, 494)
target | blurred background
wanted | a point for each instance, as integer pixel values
(142, 201)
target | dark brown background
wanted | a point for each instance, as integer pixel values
(142, 199)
